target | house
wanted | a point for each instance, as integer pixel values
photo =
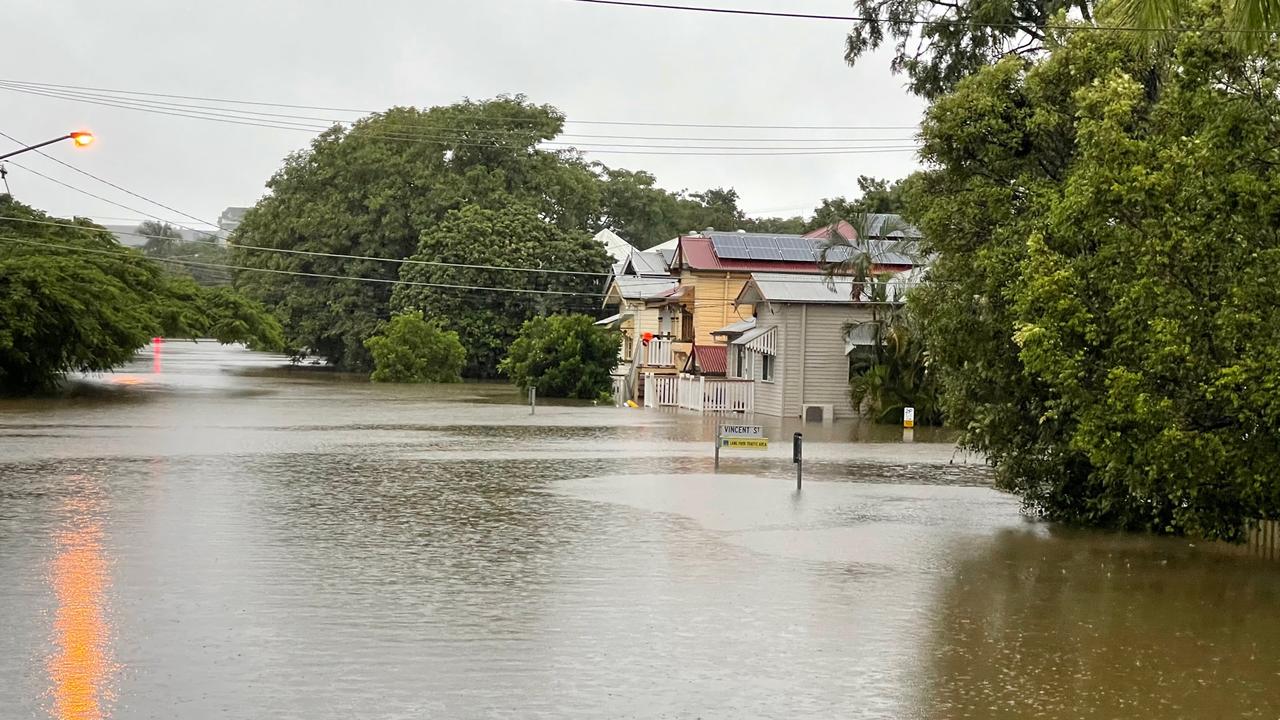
(797, 350)
(705, 307)
(639, 289)
(231, 218)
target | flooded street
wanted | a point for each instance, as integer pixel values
(203, 535)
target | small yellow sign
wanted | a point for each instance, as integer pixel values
(745, 443)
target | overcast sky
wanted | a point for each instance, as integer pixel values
(593, 62)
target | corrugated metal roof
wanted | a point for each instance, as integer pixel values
(617, 248)
(648, 263)
(752, 334)
(736, 328)
(641, 288)
(773, 287)
(708, 360)
(610, 321)
(876, 225)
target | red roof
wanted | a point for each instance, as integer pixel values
(709, 359)
(698, 253)
(842, 228)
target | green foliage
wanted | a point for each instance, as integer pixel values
(893, 373)
(563, 356)
(190, 259)
(367, 191)
(78, 301)
(1104, 313)
(514, 235)
(413, 349)
(877, 197)
(972, 35)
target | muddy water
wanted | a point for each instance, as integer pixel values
(201, 535)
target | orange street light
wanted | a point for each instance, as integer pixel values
(80, 137)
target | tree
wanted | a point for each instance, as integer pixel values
(891, 372)
(876, 196)
(196, 259)
(487, 307)
(373, 190)
(71, 299)
(563, 356)
(412, 349)
(1255, 19)
(636, 209)
(938, 43)
(1102, 312)
(161, 237)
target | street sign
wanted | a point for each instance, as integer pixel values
(908, 417)
(753, 431)
(745, 443)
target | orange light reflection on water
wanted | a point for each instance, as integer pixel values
(81, 669)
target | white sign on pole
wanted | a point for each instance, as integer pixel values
(908, 417)
(753, 431)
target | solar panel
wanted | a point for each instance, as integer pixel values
(762, 247)
(729, 247)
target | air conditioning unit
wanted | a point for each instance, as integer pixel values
(818, 413)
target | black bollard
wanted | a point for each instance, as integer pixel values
(797, 456)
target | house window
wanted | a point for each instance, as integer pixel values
(686, 325)
(742, 362)
(766, 368)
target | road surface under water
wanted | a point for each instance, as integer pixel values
(201, 536)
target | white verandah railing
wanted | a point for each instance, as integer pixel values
(699, 393)
(659, 353)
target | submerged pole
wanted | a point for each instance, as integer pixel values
(797, 457)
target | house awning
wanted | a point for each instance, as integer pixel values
(760, 340)
(736, 329)
(708, 360)
(860, 335)
(613, 321)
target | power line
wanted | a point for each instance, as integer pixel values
(405, 261)
(384, 281)
(95, 196)
(915, 21)
(589, 148)
(625, 123)
(122, 96)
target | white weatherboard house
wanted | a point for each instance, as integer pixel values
(797, 350)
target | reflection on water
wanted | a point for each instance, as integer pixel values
(292, 545)
(81, 668)
(1089, 625)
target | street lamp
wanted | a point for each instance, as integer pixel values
(80, 137)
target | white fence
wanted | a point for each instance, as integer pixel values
(659, 353)
(661, 390)
(699, 393)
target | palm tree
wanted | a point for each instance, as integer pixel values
(893, 373)
(1255, 19)
(161, 237)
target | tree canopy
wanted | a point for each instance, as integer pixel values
(488, 319)
(416, 182)
(374, 189)
(411, 349)
(1103, 310)
(564, 356)
(938, 43)
(73, 299)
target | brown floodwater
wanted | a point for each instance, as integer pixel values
(204, 534)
